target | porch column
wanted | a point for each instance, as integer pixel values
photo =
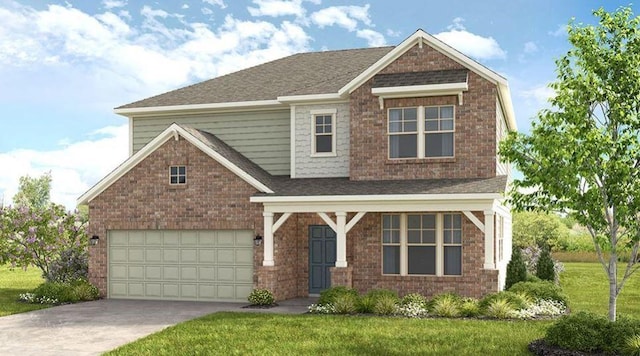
(488, 239)
(268, 239)
(341, 239)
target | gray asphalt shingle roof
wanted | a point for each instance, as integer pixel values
(285, 186)
(420, 78)
(299, 74)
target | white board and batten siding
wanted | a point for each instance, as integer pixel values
(206, 265)
(261, 136)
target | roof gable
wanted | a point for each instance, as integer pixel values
(206, 142)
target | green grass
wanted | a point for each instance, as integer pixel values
(587, 286)
(268, 334)
(12, 283)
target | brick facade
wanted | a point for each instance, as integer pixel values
(213, 198)
(475, 126)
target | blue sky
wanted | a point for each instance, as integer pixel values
(64, 65)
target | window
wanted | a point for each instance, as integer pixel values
(438, 127)
(421, 132)
(178, 175)
(500, 236)
(403, 132)
(323, 127)
(422, 244)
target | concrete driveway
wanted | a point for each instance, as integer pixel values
(92, 328)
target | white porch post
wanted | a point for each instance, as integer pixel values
(341, 239)
(488, 239)
(268, 239)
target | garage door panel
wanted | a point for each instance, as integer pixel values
(225, 256)
(181, 265)
(171, 255)
(244, 257)
(188, 256)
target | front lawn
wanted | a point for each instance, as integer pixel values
(267, 334)
(13, 282)
(588, 289)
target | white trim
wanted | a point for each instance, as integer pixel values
(281, 220)
(292, 141)
(489, 240)
(440, 245)
(328, 220)
(355, 220)
(413, 91)
(373, 197)
(197, 107)
(341, 239)
(311, 98)
(268, 240)
(504, 95)
(474, 219)
(167, 134)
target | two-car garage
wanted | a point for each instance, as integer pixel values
(201, 265)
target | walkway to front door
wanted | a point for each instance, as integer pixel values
(322, 256)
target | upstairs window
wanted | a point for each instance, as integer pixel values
(178, 175)
(323, 125)
(421, 132)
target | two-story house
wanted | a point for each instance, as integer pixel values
(368, 168)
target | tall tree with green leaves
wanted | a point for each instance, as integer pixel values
(34, 192)
(582, 156)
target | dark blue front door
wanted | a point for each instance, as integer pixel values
(322, 256)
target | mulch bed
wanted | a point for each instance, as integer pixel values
(251, 306)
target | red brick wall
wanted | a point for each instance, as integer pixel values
(475, 127)
(213, 198)
(366, 260)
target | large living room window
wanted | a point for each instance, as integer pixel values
(422, 244)
(421, 132)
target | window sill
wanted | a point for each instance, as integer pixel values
(424, 275)
(420, 160)
(323, 155)
(178, 186)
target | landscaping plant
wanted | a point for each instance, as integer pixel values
(261, 297)
(516, 269)
(545, 268)
(582, 155)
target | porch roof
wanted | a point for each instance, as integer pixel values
(307, 187)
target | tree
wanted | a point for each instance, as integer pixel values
(516, 269)
(545, 268)
(34, 192)
(537, 229)
(582, 156)
(38, 237)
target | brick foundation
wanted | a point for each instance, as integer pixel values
(342, 276)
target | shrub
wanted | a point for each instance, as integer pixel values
(85, 291)
(412, 309)
(469, 307)
(542, 307)
(632, 345)
(55, 292)
(368, 301)
(500, 308)
(446, 305)
(414, 298)
(329, 295)
(321, 309)
(545, 268)
(514, 300)
(516, 269)
(71, 265)
(261, 297)
(541, 290)
(386, 305)
(579, 332)
(618, 334)
(345, 303)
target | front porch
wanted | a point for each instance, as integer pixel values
(358, 227)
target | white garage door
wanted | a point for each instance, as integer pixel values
(181, 265)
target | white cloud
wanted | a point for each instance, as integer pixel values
(206, 11)
(469, 43)
(110, 4)
(541, 94)
(219, 3)
(275, 8)
(530, 47)
(374, 39)
(185, 6)
(560, 31)
(392, 33)
(346, 17)
(75, 167)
